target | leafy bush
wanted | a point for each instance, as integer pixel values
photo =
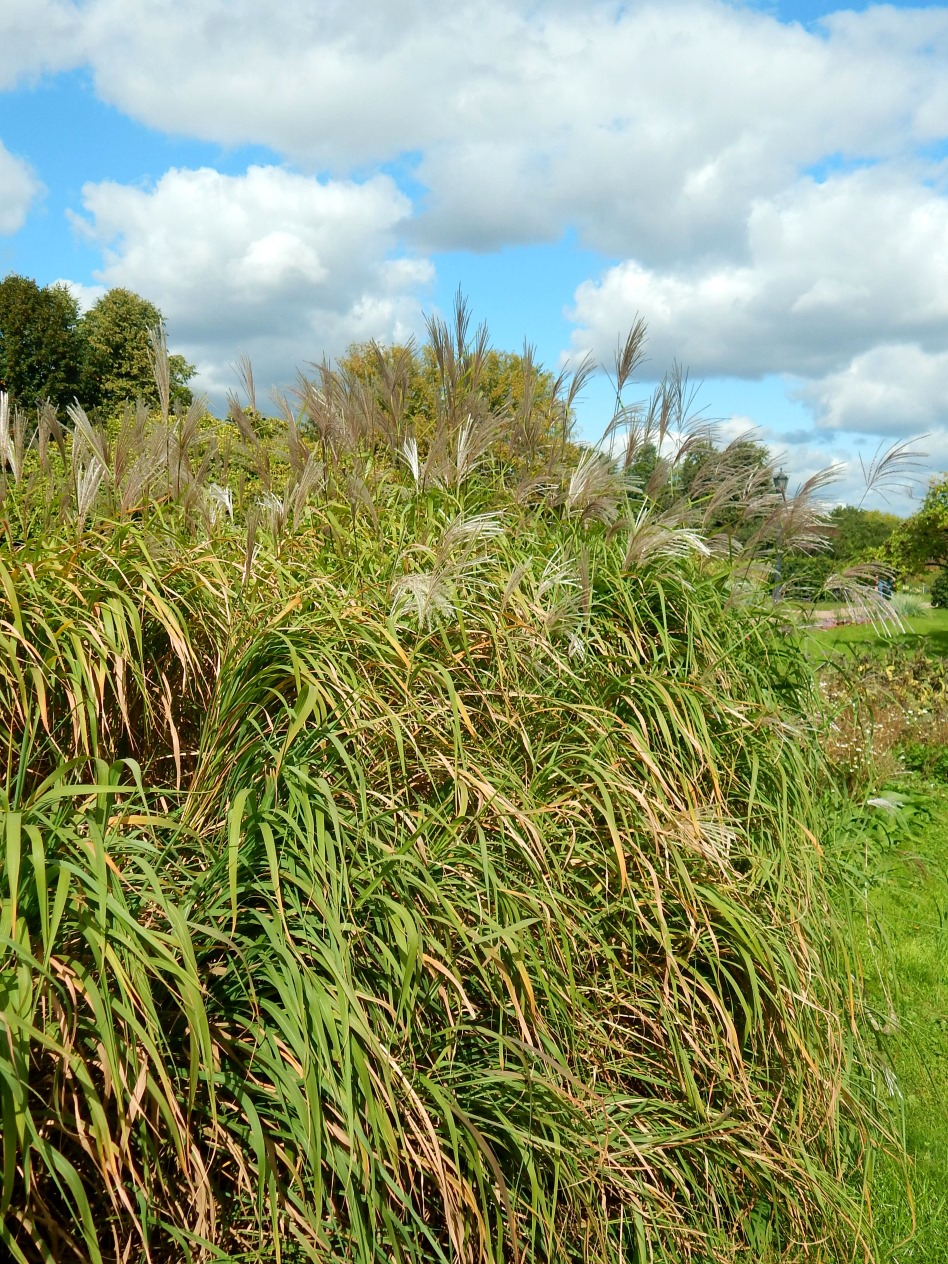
(931, 760)
(939, 590)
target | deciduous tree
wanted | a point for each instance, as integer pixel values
(115, 333)
(40, 344)
(923, 539)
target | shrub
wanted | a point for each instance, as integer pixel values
(939, 591)
(908, 605)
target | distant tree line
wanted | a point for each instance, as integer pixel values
(49, 350)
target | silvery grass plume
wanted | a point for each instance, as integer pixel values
(628, 356)
(130, 442)
(340, 411)
(49, 427)
(6, 445)
(793, 523)
(652, 535)
(432, 593)
(88, 476)
(218, 500)
(460, 359)
(310, 477)
(408, 452)
(858, 588)
(457, 450)
(183, 436)
(89, 444)
(252, 447)
(90, 461)
(596, 490)
(160, 367)
(360, 496)
(147, 470)
(558, 604)
(668, 429)
(244, 371)
(473, 442)
(275, 512)
(251, 548)
(393, 368)
(893, 469)
(528, 425)
(297, 450)
(12, 438)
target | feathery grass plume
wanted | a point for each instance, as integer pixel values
(89, 476)
(651, 536)
(567, 387)
(393, 376)
(297, 450)
(160, 367)
(219, 500)
(629, 355)
(244, 370)
(275, 513)
(12, 438)
(250, 546)
(309, 480)
(339, 410)
(530, 426)
(597, 490)
(48, 427)
(138, 474)
(89, 443)
(253, 451)
(130, 441)
(893, 468)
(408, 452)
(858, 587)
(433, 592)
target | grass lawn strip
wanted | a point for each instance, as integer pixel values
(907, 938)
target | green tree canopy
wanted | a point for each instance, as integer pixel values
(859, 534)
(40, 344)
(115, 333)
(923, 539)
(414, 385)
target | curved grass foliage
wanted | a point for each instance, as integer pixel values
(437, 878)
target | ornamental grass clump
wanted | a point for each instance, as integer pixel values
(430, 872)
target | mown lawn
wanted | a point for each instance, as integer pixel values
(902, 922)
(906, 939)
(928, 631)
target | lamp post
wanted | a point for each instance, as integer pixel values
(780, 485)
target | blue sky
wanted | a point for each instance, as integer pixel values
(763, 182)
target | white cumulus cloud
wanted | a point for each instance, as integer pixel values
(651, 127)
(38, 36)
(19, 186)
(892, 389)
(828, 269)
(281, 266)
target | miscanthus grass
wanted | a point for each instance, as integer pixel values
(409, 855)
